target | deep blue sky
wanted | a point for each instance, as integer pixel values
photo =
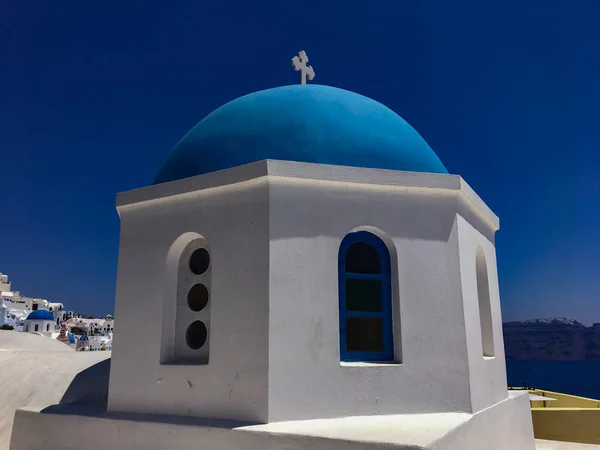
(93, 95)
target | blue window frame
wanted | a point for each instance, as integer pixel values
(366, 322)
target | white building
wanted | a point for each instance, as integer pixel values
(36, 315)
(3, 314)
(21, 302)
(58, 311)
(92, 334)
(40, 321)
(4, 283)
(92, 326)
(318, 281)
(14, 307)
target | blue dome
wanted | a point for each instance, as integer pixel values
(84, 338)
(305, 123)
(71, 338)
(40, 314)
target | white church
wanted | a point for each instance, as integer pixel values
(319, 281)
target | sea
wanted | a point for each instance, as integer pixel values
(580, 378)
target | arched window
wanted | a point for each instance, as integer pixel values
(189, 268)
(485, 307)
(365, 299)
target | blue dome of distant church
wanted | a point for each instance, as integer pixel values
(305, 123)
(40, 314)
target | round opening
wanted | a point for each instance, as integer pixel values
(199, 261)
(196, 335)
(198, 297)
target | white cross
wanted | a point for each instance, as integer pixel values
(299, 64)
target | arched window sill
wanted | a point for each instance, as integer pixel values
(371, 364)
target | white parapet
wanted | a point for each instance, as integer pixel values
(506, 425)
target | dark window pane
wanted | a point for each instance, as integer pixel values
(363, 295)
(364, 334)
(362, 258)
(196, 335)
(199, 261)
(198, 297)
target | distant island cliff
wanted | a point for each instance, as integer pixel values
(558, 339)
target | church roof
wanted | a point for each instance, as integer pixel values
(305, 123)
(40, 314)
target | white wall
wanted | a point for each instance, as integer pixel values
(57, 311)
(306, 378)
(41, 324)
(234, 222)
(4, 283)
(40, 302)
(108, 325)
(14, 300)
(274, 248)
(487, 375)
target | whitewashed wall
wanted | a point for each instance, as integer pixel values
(306, 378)
(274, 342)
(234, 222)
